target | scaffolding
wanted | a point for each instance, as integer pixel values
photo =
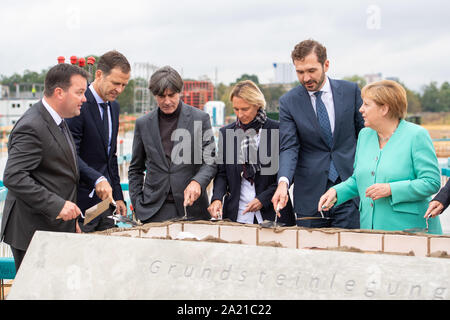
(144, 101)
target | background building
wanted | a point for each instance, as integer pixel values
(197, 93)
(284, 72)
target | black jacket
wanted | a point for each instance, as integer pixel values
(92, 150)
(228, 178)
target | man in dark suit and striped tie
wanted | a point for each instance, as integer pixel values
(319, 126)
(95, 133)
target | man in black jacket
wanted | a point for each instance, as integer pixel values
(95, 133)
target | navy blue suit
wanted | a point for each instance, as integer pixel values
(228, 179)
(92, 148)
(304, 154)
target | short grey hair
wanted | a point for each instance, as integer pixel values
(165, 78)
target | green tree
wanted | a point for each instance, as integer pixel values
(272, 94)
(223, 94)
(413, 98)
(245, 76)
(414, 103)
(430, 98)
(126, 98)
(444, 96)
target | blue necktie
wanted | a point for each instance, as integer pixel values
(324, 122)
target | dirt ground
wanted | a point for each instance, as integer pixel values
(440, 132)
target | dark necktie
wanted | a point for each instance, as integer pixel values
(324, 122)
(105, 122)
(65, 130)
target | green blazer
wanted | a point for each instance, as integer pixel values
(409, 164)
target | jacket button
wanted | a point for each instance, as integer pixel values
(371, 204)
(373, 173)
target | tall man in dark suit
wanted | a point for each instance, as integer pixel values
(173, 155)
(95, 133)
(41, 173)
(319, 126)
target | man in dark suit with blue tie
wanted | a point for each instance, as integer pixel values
(319, 126)
(95, 134)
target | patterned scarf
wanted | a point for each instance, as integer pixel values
(249, 146)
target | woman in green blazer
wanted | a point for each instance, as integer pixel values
(396, 169)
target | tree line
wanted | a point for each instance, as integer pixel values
(432, 98)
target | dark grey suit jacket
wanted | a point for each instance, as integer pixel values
(40, 174)
(148, 195)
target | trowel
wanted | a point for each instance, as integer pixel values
(272, 224)
(185, 217)
(322, 217)
(94, 211)
(119, 217)
(219, 213)
(418, 230)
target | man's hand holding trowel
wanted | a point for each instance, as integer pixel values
(103, 190)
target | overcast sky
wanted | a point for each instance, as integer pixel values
(405, 39)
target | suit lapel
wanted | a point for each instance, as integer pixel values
(95, 113)
(338, 98)
(59, 137)
(309, 112)
(184, 120)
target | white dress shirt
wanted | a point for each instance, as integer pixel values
(327, 99)
(248, 193)
(52, 112)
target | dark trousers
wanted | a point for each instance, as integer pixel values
(18, 257)
(345, 216)
(166, 212)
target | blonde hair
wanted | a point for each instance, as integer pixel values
(388, 92)
(248, 91)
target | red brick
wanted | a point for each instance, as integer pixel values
(317, 239)
(202, 230)
(235, 233)
(287, 238)
(397, 243)
(174, 229)
(155, 232)
(362, 241)
(135, 233)
(440, 244)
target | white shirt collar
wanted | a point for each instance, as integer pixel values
(52, 112)
(325, 89)
(96, 96)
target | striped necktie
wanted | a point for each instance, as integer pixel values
(65, 130)
(324, 122)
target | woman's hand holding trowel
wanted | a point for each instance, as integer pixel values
(327, 200)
